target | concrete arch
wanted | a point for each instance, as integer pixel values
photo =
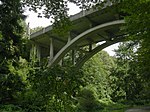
(80, 63)
(81, 36)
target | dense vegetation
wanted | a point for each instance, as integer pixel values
(102, 84)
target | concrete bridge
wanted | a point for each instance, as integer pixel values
(89, 27)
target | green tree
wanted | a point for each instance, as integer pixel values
(138, 28)
(55, 88)
(97, 71)
(10, 44)
(36, 29)
(88, 101)
(127, 81)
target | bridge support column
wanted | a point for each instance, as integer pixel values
(51, 50)
(90, 47)
(73, 57)
(61, 62)
(35, 53)
(69, 37)
(38, 52)
(32, 53)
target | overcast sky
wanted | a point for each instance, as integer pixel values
(35, 21)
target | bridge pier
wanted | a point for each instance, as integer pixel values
(35, 52)
(38, 50)
(73, 57)
(51, 50)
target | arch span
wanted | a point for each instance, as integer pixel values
(85, 58)
(70, 45)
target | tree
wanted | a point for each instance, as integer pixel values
(36, 29)
(88, 101)
(97, 71)
(10, 44)
(58, 9)
(55, 88)
(127, 81)
(138, 28)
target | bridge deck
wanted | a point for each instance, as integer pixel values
(81, 22)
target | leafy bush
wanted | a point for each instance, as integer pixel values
(10, 108)
(56, 87)
(88, 101)
(13, 81)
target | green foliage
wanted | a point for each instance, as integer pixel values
(88, 101)
(14, 82)
(131, 76)
(115, 107)
(59, 88)
(62, 27)
(11, 83)
(138, 24)
(36, 29)
(10, 16)
(10, 108)
(97, 71)
(25, 49)
(55, 87)
(127, 81)
(138, 28)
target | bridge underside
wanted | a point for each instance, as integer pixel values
(91, 32)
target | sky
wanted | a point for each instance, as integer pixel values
(34, 22)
